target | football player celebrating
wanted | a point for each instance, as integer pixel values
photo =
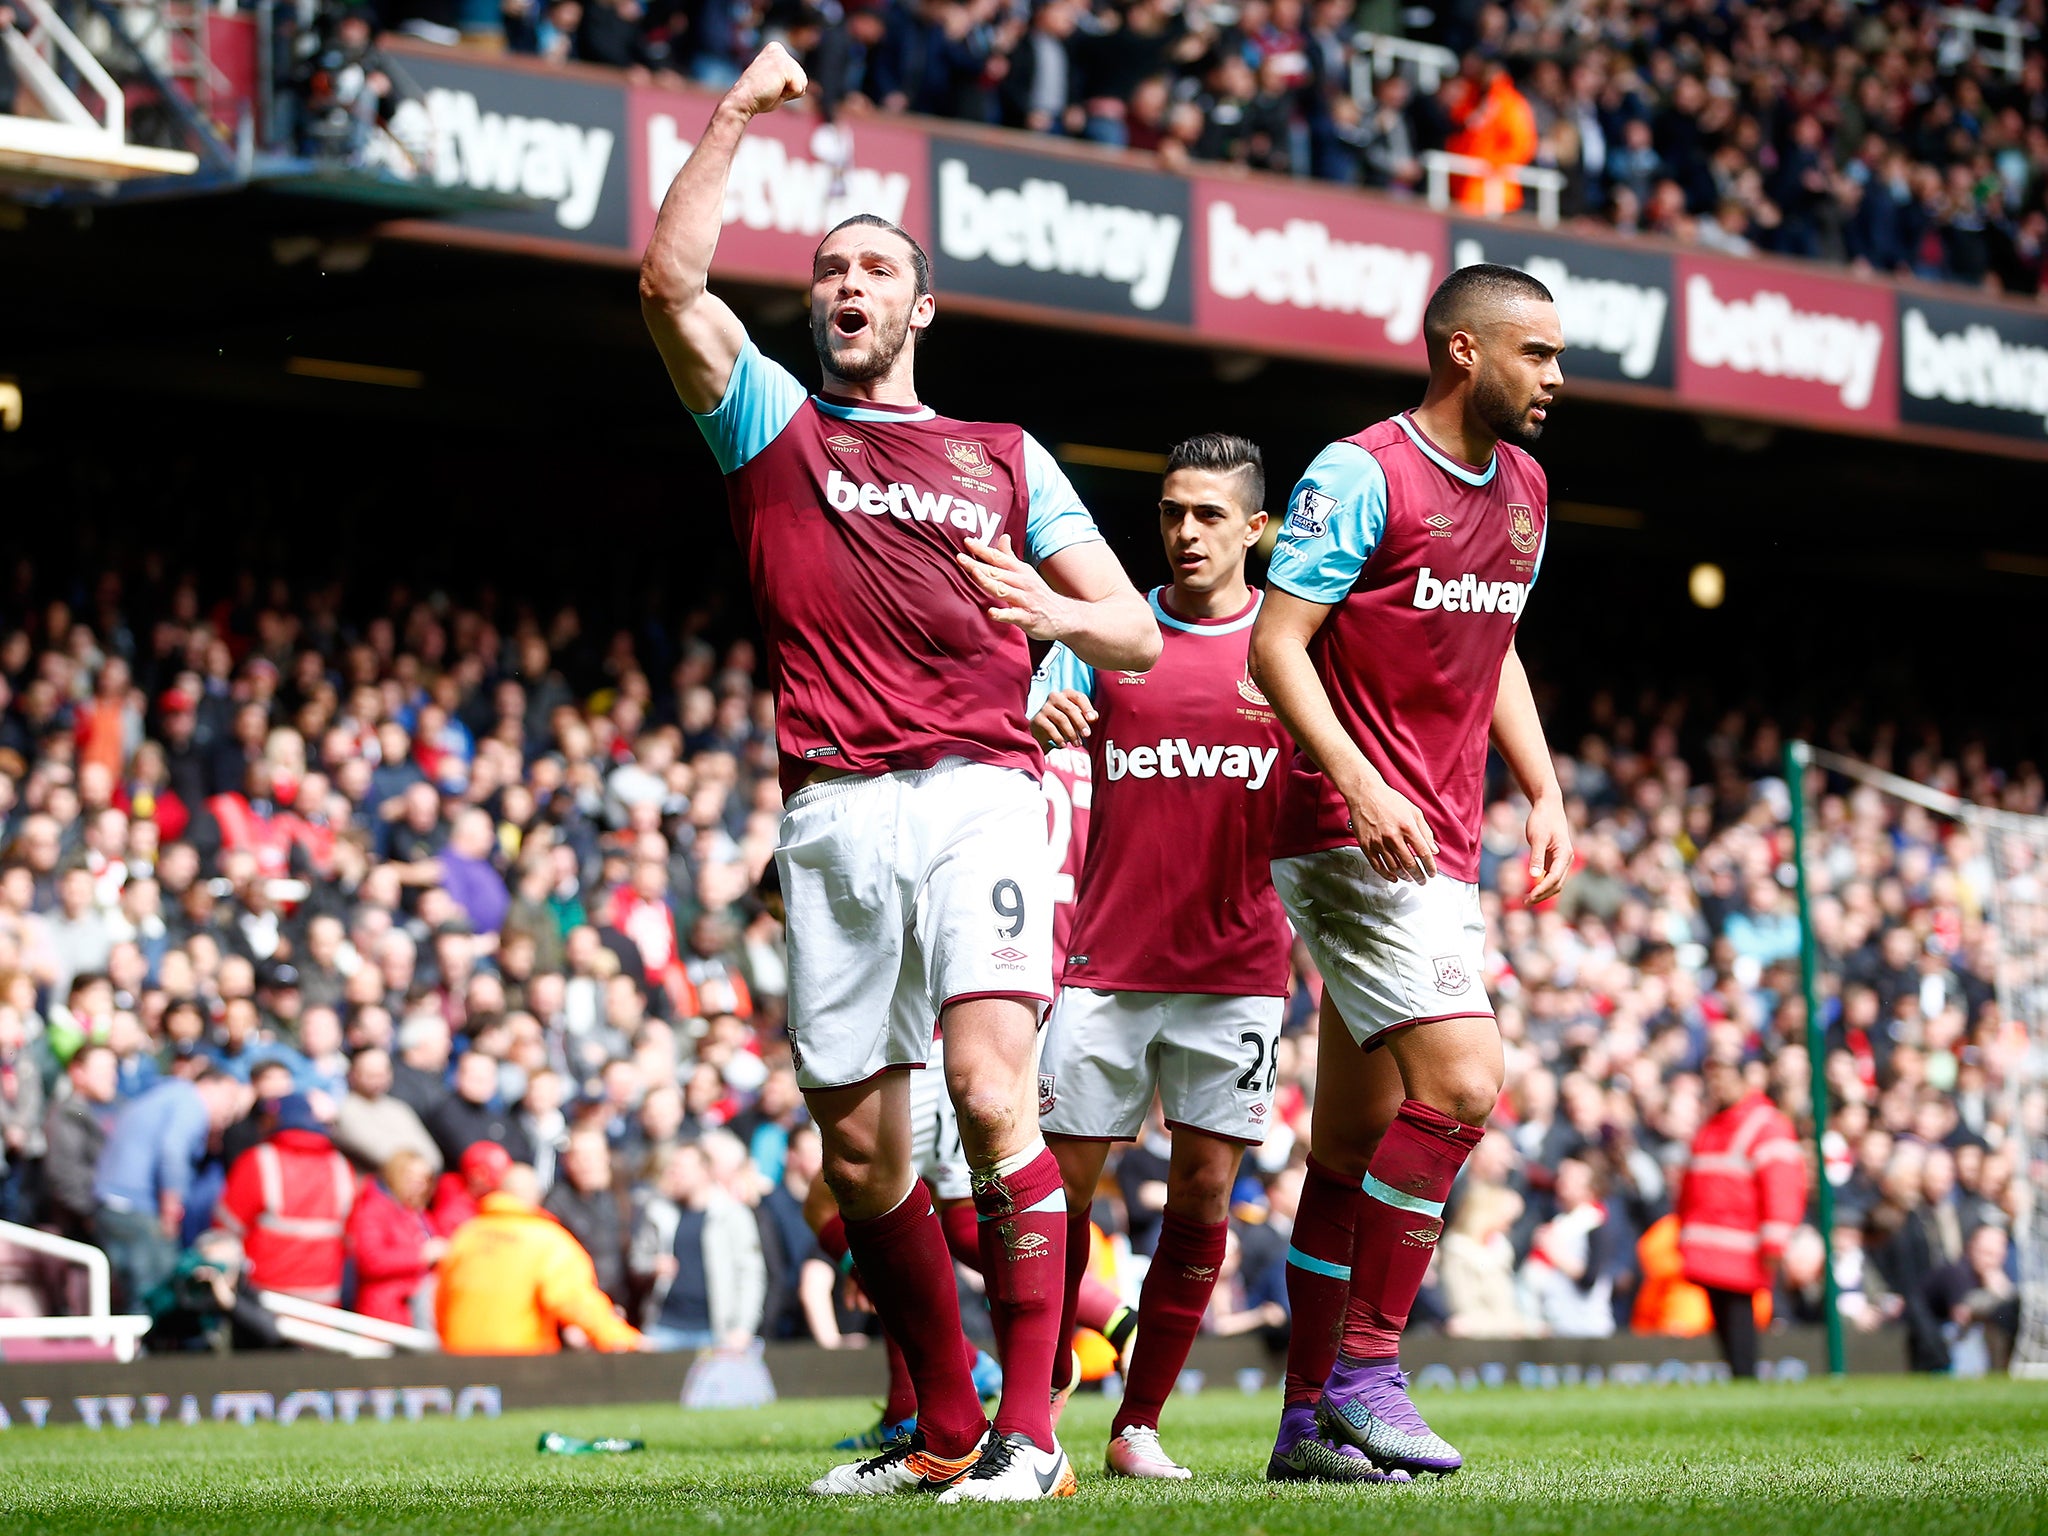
(1387, 644)
(1177, 970)
(902, 564)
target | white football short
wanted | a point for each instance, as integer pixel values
(936, 1155)
(905, 892)
(1209, 1058)
(1391, 952)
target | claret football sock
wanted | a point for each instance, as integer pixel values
(1400, 1217)
(1079, 1242)
(908, 1275)
(1023, 1210)
(1318, 1278)
(963, 1233)
(1176, 1294)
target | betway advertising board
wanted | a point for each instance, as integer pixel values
(1244, 261)
(794, 177)
(1761, 339)
(1618, 306)
(1287, 264)
(1060, 233)
(1973, 368)
(557, 138)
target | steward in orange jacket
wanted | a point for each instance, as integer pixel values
(514, 1277)
(288, 1199)
(1744, 1191)
(1500, 128)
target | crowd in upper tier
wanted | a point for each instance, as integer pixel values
(430, 892)
(1882, 135)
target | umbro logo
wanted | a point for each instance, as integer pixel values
(1440, 525)
(1199, 1272)
(1024, 1245)
(844, 442)
(1422, 1238)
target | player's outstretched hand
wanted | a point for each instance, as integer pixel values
(1021, 595)
(1063, 719)
(1550, 851)
(772, 79)
(1394, 835)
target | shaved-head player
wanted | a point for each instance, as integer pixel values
(901, 564)
(1387, 644)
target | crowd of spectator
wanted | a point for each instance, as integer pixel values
(344, 951)
(1876, 134)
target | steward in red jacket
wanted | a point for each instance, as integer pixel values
(288, 1199)
(1744, 1191)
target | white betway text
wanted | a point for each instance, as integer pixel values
(559, 163)
(912, 505)
(1764, 334)
(1038, 225)
(1174, 758)
(1304, 266)
(1468, 594)
(772, 190)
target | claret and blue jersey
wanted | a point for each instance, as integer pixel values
(1426, 564)
(852, 516)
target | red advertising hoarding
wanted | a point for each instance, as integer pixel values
(1766, 341)
(794, 177)
(1287, 265)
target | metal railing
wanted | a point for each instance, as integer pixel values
(1432, 65)
(35, 53)
(341, 1332)
(100, 1325)
(1441, 165)
(1999, 41)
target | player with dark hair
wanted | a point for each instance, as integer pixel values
(902, 563)
(1387, 644)
(1178, 965)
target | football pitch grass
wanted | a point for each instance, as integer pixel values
(1857, 1458)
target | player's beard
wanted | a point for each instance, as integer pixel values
(887, 335)
(1500, 413)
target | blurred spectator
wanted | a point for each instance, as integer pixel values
(513, 1280)
(288, 1201)
(74, 1136)
(392, 1245)
(474, 1113)
(202, 1302)
(1569, 1273)
(21, 1120)
(1979, 1297)
(1476, 1266)
(459, 1192)
(584, 1201)
(146, 1170)
(372, 1125)
(698, 1251)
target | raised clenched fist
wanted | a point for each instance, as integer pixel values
(772, 79)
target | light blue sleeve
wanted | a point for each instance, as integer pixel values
(1060, 669)
(1057, 519)
(760, 398)
(1334, 522)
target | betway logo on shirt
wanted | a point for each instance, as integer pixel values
(1174, 758)
(912, 505)
(772, 189)
(1468, 594)
(539, 157)
(1304, 266)
(1764, 334)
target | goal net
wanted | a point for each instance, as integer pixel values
(2003, 872)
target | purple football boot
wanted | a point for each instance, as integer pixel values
(1366, 1405)
(1299, 1456)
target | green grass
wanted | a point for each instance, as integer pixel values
(1856, 1458)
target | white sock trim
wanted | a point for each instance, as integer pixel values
(1021, 1159)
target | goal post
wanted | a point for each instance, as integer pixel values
(2013, 875)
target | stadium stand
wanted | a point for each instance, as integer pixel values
(457, 879)
(1904, 138)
